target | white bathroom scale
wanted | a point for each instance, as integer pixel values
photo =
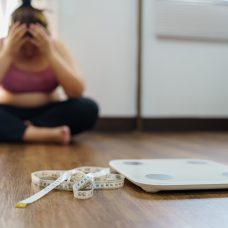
(155, 175)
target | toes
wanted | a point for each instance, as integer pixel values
(66, 135)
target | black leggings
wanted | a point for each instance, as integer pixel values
(78, 114)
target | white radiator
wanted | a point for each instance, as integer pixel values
(192, 19)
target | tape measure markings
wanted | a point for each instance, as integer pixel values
(82, 181)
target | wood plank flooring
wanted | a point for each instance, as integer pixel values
(126, 207)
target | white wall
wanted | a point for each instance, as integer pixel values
(101, 34)
(182, 78)
(6, 8)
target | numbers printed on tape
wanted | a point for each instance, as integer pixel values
(82, 181)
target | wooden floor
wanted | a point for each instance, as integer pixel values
(126, 207)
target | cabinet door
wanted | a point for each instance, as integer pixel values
(182, 77)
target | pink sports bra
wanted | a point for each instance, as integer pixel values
(21, 81)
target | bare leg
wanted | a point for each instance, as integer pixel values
(60, 134)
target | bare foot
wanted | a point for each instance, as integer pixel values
(60, 134)
(66, 134)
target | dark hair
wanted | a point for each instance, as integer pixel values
(27, 14)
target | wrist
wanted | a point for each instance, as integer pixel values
(6, 54)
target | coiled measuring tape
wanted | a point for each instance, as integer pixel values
(82, 181)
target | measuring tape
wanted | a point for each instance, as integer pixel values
(82, 181)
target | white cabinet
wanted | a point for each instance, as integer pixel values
(182, 78)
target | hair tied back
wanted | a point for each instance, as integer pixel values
(26, 3)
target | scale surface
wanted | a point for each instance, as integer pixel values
(155, 175)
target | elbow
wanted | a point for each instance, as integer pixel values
(76, 93)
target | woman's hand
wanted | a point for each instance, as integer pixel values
(15, 39)
(41, 39)
(59, 60)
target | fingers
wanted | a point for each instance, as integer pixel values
(14, 27)
(43, 31)
(40, 37)
(39, 32)
(17, 33)
(20, 31)
(23, 40)
(15, 37)
(18, 27)
(35, 42)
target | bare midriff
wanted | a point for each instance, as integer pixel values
(33, 99)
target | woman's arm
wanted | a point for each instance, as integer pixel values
(10, 47)
(66, 71)
(5, 62)
(60, 60)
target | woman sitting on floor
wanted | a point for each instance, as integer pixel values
(32, 67)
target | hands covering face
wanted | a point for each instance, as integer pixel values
(18, 36)
(41, 39)
(15, 39)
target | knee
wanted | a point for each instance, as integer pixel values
(89, 110)
(86, 109)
